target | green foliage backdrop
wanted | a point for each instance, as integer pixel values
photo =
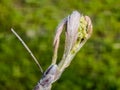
(96, 66)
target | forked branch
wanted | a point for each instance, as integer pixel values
(78, 29)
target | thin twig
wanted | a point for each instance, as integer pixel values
(26, 47)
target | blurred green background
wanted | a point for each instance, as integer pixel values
(95, 67)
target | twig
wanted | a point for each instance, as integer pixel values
(78, 29)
